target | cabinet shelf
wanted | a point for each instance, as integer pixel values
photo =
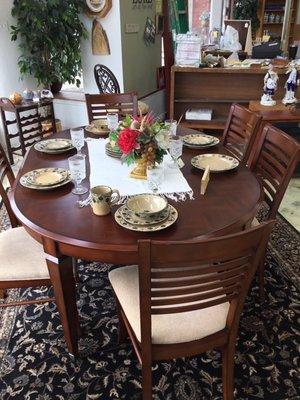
(215, 123)
(225, 101)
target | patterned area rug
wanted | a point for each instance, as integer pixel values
(35, 365)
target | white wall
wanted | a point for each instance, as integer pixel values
(112, 25)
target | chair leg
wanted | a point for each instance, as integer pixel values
(2, 294)
(228, 372)
(122, 334)
(147, 381)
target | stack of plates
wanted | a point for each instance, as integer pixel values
(54, 146)
(146, 213)
(200, 141)
(215, 162)
(111, 152)
(98, 127)
(46, 178)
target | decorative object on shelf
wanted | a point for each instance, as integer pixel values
(46, 94)
(141, 140)
(199, 114)
(149, 33)
(98, 8)
(28, 94)
(291, 84)
(204, 23)
(100, 43)
(15, 98)
(270, 85)
(46, 25)
(188, 50)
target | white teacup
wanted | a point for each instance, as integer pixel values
(102, 199)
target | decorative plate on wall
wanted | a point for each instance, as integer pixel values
(98, 8)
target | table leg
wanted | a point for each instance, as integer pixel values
(62, 278)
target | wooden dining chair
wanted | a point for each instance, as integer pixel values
(240, 131)
(106, 80)
(275, 157)
(185, 298)
(22, 259)
(98, 105)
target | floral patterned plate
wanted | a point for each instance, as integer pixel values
(54, 146)
(132, 219)
(24, 182)
(194, 146)
(172, 218)
(216, 162)
(198, 139)
(46, 176)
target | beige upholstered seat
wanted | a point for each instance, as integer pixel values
(254, 222)
(21, 257)
(166, 328)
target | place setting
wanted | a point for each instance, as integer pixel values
(54, 146)
(46, 178)
(200, 141)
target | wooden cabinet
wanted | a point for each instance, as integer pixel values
(278, 18)
(216, 88)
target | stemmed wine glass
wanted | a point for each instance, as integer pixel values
(112, 121)
(171, 125)
(78, 172)
(77, 136)
(175, 150)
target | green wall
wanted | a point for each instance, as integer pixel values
(140, 60)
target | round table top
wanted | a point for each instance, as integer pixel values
(230, 197)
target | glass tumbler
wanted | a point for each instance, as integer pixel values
(155, 178)
(171, 125)
(78, 172)
(112, 121)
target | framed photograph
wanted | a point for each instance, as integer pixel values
(159, 24)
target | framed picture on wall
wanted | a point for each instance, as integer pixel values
(159, 24)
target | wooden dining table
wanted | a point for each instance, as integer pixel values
(67, 231)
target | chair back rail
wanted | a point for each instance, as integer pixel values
(106, 80)
(178, 277)
(6, 173)
(98, 105)
(275, 158)
(240, 131)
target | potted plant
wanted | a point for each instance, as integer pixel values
(50, 33)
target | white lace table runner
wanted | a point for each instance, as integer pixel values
(105, 170)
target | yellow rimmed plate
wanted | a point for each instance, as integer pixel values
(216, 162)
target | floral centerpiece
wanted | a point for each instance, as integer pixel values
(141, 140)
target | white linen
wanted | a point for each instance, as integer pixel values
(105, 170)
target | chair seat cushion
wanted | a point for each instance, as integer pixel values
(254, 222)
(166, 328)
(21, 257)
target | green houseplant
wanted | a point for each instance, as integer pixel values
(247, 9)
(50, 32)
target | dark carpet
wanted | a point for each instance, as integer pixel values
(35, 365)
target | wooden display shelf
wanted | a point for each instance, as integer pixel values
(214, 123)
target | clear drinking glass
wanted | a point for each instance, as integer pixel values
(77, 136)
(112, 121)
(175, 149)
(155, 178)
(77, 169)
(171, 125)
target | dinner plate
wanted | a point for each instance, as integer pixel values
(198, 139)
(46, 176)
(172, 218)
(132, 219)
(111, 153)
(54, 146)
(23, 182)
(216, 162)
(194, 146)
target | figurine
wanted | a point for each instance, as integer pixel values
(291, 84)
(270, 85)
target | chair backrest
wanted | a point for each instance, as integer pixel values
(275, 157)
(6, 180)
(106, 80)
(240, 131)
(98, 105)
(176, 277)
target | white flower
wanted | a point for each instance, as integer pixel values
(163, 139)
